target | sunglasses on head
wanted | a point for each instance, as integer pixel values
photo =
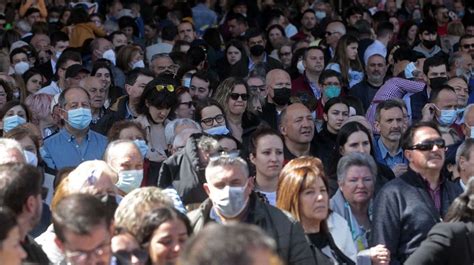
(170, 88)
(235, 96)
(428, 145)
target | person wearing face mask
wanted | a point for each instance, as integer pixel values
(231, 199)
(428, 37)
(102, 48)
(75, 142)
(19, 61)
(442, 108)
(278, 84)
(256, 42)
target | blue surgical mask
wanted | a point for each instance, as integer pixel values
(409, 70)
(332, 91)
(447, 117)
(142, 146)
(31, 158)
(219, 130)
(12, 122)
(79, 118)
(320, 15)
(129, 180)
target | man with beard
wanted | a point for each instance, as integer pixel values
(407, 207)
(376, 68)
(256, 43)
(308, 23)
(20, 190)
(297, 128)
(428, 35)
(307, 83)
(389, 123)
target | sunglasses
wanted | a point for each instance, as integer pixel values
(189, 104)
(235, 96)
(428, 145)
(467, 46)
(209, 121)
(160, 88)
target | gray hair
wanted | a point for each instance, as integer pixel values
(468, 109)
(23, 25)
(62, 97)
(180, 139)
(114, 148)
(355, 159)
(464, 150)
(9, 144)
(170, 129)
(226, 160)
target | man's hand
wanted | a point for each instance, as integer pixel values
(428, 112)
(379, 255)
(399, 169)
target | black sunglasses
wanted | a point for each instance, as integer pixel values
(428, 145)
(467, 46)
(209, 121)
(235, 96)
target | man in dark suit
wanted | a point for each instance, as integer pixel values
(278, 96)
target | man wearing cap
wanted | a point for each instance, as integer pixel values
(375, 68)
(66, 59)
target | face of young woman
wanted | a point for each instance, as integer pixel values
(238, 106)
(34, 84)
(351, 51)
(211, 116)
(357, 142)
(233, 55)
(274, 36)
(314, 202)
(336, 116)
(158, 115)
(104, 75)
(167, 241)
(16, 110)
(268, 159)
(11, 251)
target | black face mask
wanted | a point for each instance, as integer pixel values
(437, 82)
(429, 44)
(257, 50)
(281, 96)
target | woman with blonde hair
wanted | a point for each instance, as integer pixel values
(233, 94)
(303, 191)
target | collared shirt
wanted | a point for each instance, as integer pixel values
(129, 115)
(435, 193)
(252, 64)
(388, 159)
(314, 86)
(463, 186)
(62, 150)
(51, 89)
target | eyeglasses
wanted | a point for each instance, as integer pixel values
(467, 46)
(126, 256)
(160, 88)
(83, 257)
(428, 145)
(210, 121)
(188, 103)
(235, 96)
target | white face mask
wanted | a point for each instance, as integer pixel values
(138, 64)
(109, 55)
(229, 201)
(21, 67)
(129, 180)
(31, 158)
(300, 66)
(472, 132)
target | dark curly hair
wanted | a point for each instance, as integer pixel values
(156, 97)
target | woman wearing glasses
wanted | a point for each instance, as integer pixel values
(210, 115)
(353, 200)
(233, 94)
(154, 106)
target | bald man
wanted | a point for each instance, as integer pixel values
(297, 128)
(278, 84)
(97, 93)
(11, 152)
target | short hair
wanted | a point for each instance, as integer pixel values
(252, 33)
(8, 144)
(384, 29)
(435, 92)
(80, 214)
(238, 17)
(8, 221)
(465, 37)
(30, 11)
(307, 50)
(58, 36)
(67, 55)
(113, 34)
(136, 204)
(213, 247)
(428, 26)
(115, 148)
(17, 51)
(464, 150)
(17, 183)
(456, 28)
(118, 127)
(170, 128)
(62, 97)
(432, 62)
(386, 105)
(154, 219)
(355, 159)
(39, 105)
(352, 10)
(260, 132)
(468, 109)
(329, 73)
(132, 76)
(225, 160)
(407, 138)
(169, 32)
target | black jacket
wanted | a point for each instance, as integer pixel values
(284, 229)
(446, 244)
(117, 112)
(183, 172)
(404, 213)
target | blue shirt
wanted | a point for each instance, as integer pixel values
(203, 17)
(383, 156)
(61, 150)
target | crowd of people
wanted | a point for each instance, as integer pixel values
(236, 132)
